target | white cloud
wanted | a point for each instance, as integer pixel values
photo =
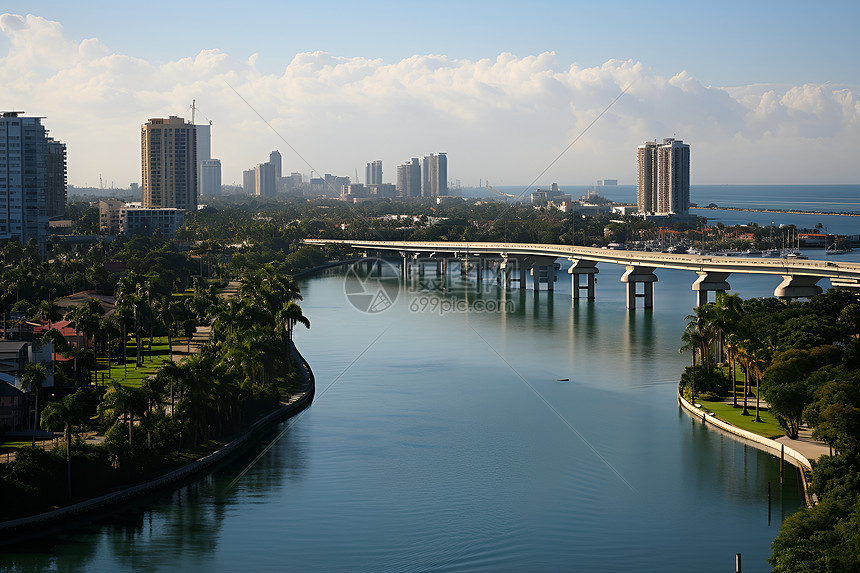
(503, 118)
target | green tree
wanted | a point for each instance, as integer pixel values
(66, 413)
(32, 378)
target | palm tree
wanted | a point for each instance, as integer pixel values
(758, 361)
(73, 315)
(65, 413)
(693, 341)
(702, 325)
(744, 355)
(32, 379)
(90, 315)
(47, 310)
(727, 315)
(124, 401)
(290, 315)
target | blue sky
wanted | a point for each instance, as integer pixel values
(348, 82)
(720, 43)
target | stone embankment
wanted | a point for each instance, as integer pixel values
(765, 444)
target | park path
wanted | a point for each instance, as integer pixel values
(805, 444)
(202, 334)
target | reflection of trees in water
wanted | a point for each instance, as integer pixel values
(285, 461)
(186, 522)
(40, 556)
(739, 470)
(189, 524)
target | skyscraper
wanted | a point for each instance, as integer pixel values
(264, 180)
(168, 149)
(409, 178)
(32, 178)
(210, 177)
(276, 161)
(373, 173)
(204, 151)
(663, 181)
(249, 182)
(435, 180)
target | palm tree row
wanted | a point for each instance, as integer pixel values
(244, 371)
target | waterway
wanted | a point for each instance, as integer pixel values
(444, 440)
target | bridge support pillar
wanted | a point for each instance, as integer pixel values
(797, 286)
(709, 281)
(589, 270)
(506, 267)
(635, 275)
(543, 271)
(511, 265)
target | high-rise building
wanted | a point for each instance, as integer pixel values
(210, 176)
(409, 178)
(204, 151)
(373, 173)
(32, 178)
(168, 149)
(435, 180)
(249, 182)
(276, 161)
(663, 179)
(265, 184)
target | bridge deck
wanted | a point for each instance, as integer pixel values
(841, 271)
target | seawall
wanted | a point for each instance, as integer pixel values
(25, 527)
(765, 444)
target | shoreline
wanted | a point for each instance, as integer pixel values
(23, 528)
(779, 211)
(766, 445)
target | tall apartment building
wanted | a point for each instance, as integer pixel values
(249, 183)
(373, 173)
(265, 184)
(435, 181)
(168, 150)
(210, 177)
(663, 179)
(32, 178)
(409, 178)
(276, 160)
(204, 151)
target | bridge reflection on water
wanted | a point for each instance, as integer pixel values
(512, 263)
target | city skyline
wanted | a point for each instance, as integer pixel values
(505, 116)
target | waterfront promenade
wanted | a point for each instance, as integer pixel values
(799, 452)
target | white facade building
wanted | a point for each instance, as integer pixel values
(32, 178)
(663, 177)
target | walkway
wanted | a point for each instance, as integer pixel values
(805, 444)
(202, 334)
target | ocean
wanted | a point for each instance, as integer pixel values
(809, 198)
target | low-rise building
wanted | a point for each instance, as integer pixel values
(141, 221)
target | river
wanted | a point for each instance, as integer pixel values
(446, 441)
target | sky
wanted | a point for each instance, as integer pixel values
(765, 92)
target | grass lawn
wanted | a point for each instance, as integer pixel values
(768, 427)
(135, 375)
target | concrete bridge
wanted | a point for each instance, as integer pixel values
(799, 276)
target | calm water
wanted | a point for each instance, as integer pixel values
(446, 442)
(822, 198)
